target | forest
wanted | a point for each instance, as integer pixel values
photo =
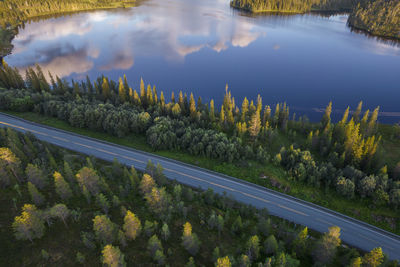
(381, 18)
(295, 6)
(346, 157)
(110, 214)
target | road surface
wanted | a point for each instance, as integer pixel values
(353, 232)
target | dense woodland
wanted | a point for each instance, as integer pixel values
(379, 17)
(58, 208)
(344, 156)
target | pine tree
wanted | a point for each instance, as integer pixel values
(154, 245)
(223, 262)
(61, 186)
(36, 176)
(155, 96)
(176, 110)
(132, 226)
(245, 109)
(267, 114)
(104, 229)
(112, 256)
(192, 107)
(356, 262)
(180, 101)
(105, 89)
(271, 245)
(89, 85)
(365, 117)
(102, 202)
(326, 247)
(89, 179)
(9, 166)
(36, 196)
(259, 103)
(212, 111)
(276, 114)
(136, 98)
(189, 240)
(126, 85)
(142, 92)
(372, 122)
(222, 116)
(357, 112)
(165, 233)
(172, 97)
(253, 247)
(345, 117)
(60, 211)
(374, 258)
(326, 119)
(162, 100)
(149, 95)
(255, 125)
(68, 172)
(29, 225)
(121, 91)
(146, 184)
(130, 95)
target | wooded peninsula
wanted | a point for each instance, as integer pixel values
(380, 17)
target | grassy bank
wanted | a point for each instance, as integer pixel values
(362, 209)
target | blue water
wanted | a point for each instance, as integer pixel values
(200, 45)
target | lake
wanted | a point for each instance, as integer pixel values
(200, 45)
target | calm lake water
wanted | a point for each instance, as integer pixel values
(200, 45)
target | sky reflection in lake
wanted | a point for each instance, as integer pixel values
(200, 45)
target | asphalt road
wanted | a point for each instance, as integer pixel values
(353, 232)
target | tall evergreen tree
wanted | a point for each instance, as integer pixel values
(105, 86)
(357, 112)
(121, 91)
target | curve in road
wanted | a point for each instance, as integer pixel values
(353, 232)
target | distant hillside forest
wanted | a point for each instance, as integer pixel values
(13, 12)
(295, 6)
(60, 209)
(381, 17)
